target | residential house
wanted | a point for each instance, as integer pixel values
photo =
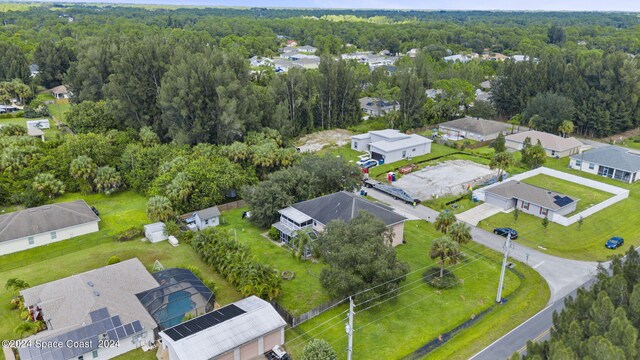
(388, 146)
(307, 49)
(555, 146)
(206, 218)
(292, 43)
(35, 132)
(88, 311)
(307, 63)
(483, 95)
(486, 85)
(313, 215)
(155, 232)
(46, 224)
(458, 57)
(375, 61)
(530, 199)
(378, 107)
(433, 93)
(60, 92)
(8, 109)
(610, 161)
(494, 57)
(39, 124)
(289, 49)
(413, 52)
(260, 61)
(473, 128)
(283, 65)
(34, 70)
(243, 330)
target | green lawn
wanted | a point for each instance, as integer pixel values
(59, 109)
(436, 151)
(588, 196)
(439, 204)
(49, 134)
(345, 152)
(300, 294)
(398, 327)
(575, 242)
(118, 212)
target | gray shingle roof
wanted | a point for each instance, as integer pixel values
(543, 197)
(612, 156)
(45, 218)
(477, 125)
(208, 213)
(345, 206)
(548, 141)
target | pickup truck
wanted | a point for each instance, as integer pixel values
(277, 353)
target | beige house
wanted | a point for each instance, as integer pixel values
(473, 128)
(46, 224)
(243, 330)
(313, 215)
(554, 145)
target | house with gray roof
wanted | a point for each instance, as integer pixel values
(84, 313)
(530, 199)
(611, 161)
(378, 107)
(388, 146)
(554, 145)
(205, 218)
(473, 128)
(313, 215)
(242, 330)
(46, 224)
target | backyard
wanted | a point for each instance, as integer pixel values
(588, 196)
(49, 134)
(384, 332)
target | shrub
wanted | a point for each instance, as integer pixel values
(113, 260)
(130, 233)
(274, 234)
(432, 277)
(318, 349)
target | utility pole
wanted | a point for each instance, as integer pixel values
(507, 246)
(349, 329)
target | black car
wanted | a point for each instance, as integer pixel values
(506, 231)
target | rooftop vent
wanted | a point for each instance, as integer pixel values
(90, 283)
(96, 293)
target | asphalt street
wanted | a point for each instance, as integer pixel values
(563, 276)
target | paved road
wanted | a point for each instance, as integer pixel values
(563, 276)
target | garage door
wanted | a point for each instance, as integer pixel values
(377, 156)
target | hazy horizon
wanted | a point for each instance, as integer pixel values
(507, 5)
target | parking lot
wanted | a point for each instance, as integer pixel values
(448, 178)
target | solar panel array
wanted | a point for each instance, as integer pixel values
(102, 323)
(562, 200)
(203, 322)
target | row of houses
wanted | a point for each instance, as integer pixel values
(465, 58)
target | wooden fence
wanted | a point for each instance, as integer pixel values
(232, 205)
(294, 321)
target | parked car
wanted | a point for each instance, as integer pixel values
(362, 161)
(277, 353)
(369, 164)
(614, 243)
(506, 231)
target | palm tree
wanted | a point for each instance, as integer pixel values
(84, 168)
(459, 232)
(16, 284)
(446, 250)
(107, 180)
(26, 328)
(444, 220)
(159, 208)
(48, 185)
(566, 128)
(180, 188)
(501, 161)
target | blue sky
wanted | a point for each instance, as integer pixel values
(575, 5)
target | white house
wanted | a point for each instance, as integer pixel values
(39, 124)
(60, 92)
(530, 199)
(458, 57)
(35, 132)
(209, 217)
(95, 314)
(307, 49)
(42, 225)
(554, 145)
(610, 161)
(243, 330)
(390, 145)
(155, 232)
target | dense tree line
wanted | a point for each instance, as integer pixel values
(601, 322)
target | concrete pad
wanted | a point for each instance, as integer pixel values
(475, 215)
(448, 178)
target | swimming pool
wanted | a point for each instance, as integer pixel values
(179, 304)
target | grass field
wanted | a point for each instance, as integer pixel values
(7, 6)
(345, 152)
(59, 109)
(588, 196)
(577, 242)
(439, 204)
(300, 294)
(396, 328)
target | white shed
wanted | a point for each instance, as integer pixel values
(155, 232)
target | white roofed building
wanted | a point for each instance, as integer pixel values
(390, 145)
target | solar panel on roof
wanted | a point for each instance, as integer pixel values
(99, 314)
(121, 333)
(562, 200)
(128, 329)
(116, 321)
(137, 327)
(203, 322)
(112, 335)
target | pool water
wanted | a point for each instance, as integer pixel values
(179, 305)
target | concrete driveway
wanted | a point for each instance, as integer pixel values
(474, 215)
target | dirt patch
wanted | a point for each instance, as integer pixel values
(316, 141)
(447, 178)
(622, 136)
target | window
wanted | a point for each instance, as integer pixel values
(553, 152)
(31, 240)
(579, 163)
(592, 166)
(94, 353)
(54, 235)
(355, 145)
(404, 153)
(414, 149)
(544, 212)
(525, 205)
(81, 357)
